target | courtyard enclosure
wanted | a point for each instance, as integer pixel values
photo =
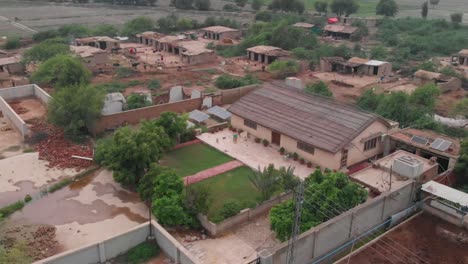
(323, 131)
(326, 237)
(120, 244)
(18, 92)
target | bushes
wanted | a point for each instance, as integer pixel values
(123, 72)
(230, 208)
(135, 101)
(10, 209)
(227, 81)
(319, 88)
(231, 8)
(154, 84)
(142, 253)
(12, 43)
(59, 185)
(46, 50)
(283, 69)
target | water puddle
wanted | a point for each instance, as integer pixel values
(26, 187)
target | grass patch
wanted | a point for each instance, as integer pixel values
(10, 209)
(13, 148)
(230, 186)
(142, 253)
(194, 158)
(59, 185)
(29, 150)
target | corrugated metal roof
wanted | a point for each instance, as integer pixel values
(446, 192)
(358, 60)
(375, 63)
(322, 122)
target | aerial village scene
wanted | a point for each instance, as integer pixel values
(233, 131)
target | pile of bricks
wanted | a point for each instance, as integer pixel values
(58, 150)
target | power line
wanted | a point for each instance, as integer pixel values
(299, 195)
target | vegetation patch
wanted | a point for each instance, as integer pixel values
(194, 158)
(142, 253)
(227, 81)
(10, 209)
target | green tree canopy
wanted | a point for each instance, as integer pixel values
(461, 168)
(76, 108)
(257, 4)
(183, 4)
(137, 25)
(387, 8)
(379, 53)
(288, 6)
(12, 43)
(74, 31)
(174, 124)
(105, 30)
(203, 4)
(321, 6)
(61, 71)
(130, 152)
(344, 7)
(266, 181)
(135, 101)
(241, 3)
(460, 108)
(146, 186)
(46, 50)
(324, 192)
(319, 88)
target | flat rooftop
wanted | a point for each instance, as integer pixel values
(417, 138)
(219, 29)
(423, 239)
(377, 177)
(86, 51)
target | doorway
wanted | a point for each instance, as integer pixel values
(275, 138)
(376, 70)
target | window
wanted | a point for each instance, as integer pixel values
(370, 144)
(305, 147)
(251, 124)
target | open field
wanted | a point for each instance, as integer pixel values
(233, 185)
(194, 158)
(40, 15)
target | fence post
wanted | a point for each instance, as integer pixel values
(266, 257)
(102, 252)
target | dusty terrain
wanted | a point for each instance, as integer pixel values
(239, 246)
(420, 241)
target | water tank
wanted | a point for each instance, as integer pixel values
(408, 166)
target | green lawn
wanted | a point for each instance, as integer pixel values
(232, 185)
(194, 158)
(367, 7)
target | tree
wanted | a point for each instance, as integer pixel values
(146, 186)
(170, 211)
(135, 101)
(61, 71)
(183, 4)
(76, 108)
(44, 35)
(456, 18)
(434, 2)
(105, 30)
(461, 168)
(130, 152)
(460, 108)
(241, 3)
(288, 5)
(379, 53)
(344, 7)
(289, 181)
(387, 8)
(12, 43)
(203, 4)
(137, 25)
(257, 4)
(283, 69)
(341, 194)
(46, 50)
(424, 10)
(174, 124)
(265, 181)
(369, 100)
(321, 6)
(74, 31)
(319, 88)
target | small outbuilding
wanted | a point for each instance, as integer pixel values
(148, 38)
(356, 65)
(93, 57)
(445, 83)
(195, 52)
(220, 33)
(100, 42)
(339, 31)
(266, 54)
(461, 58)
(11, 65)
(113, 103)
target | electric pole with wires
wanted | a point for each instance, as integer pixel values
(296, 230)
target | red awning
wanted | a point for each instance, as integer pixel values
(333, 20)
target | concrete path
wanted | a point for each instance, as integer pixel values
(202, 175)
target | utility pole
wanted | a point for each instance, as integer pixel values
(299, 197)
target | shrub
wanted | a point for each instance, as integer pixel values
(295, 156)
(227, 81)
(230, 208)
(59, 185)
(282, 150)
(142, 253)
(43, 35)
(12, 43)
(10, 209)
(283, 69)
(257, 140)
(27, 198)
(133, 83)
(135, 101)
(319, 88)
(123, 72)
(265, 142)
(231, 8)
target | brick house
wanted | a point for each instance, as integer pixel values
(328, 133)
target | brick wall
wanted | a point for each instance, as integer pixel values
(132, 117)
(232, 95)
